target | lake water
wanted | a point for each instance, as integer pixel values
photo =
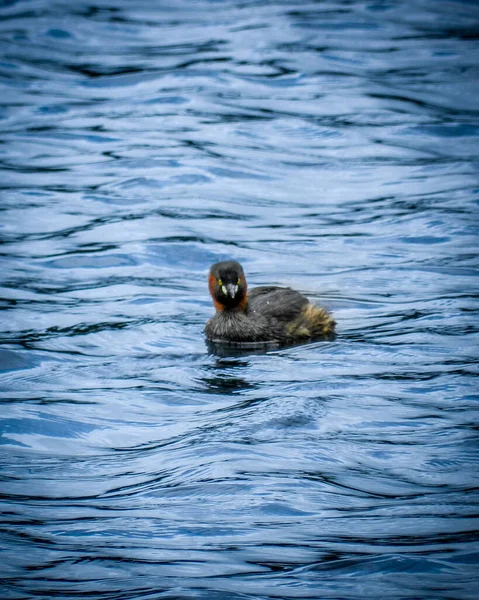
(329, 146)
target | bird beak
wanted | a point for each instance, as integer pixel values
(231, 289)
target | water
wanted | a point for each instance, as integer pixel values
(329, 146)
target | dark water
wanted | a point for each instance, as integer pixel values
(330, 146)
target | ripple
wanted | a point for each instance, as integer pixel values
(330, 147)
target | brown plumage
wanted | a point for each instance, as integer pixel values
(266, 314)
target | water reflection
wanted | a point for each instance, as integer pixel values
(221, 377)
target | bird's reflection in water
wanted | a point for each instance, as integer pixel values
(239, 349)
(223, 376)
(243, 349)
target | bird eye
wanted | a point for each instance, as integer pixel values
(238, 282)
(220, 283)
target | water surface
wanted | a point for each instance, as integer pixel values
(328, 146)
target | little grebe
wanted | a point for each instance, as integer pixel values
(266, 314)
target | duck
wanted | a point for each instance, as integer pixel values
(264, 315)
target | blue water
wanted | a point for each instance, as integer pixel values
(329, 146)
